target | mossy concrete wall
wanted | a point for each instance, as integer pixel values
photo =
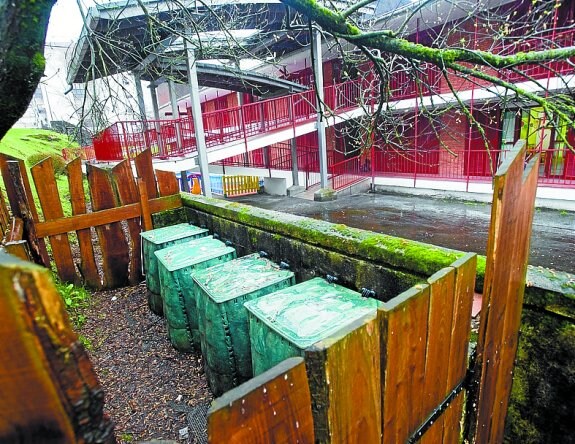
(357, 258)
(543, 399)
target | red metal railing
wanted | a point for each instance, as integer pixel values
(404, 84)
(348, 172)
(176, 137)
(557, 166)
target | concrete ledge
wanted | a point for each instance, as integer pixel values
(275, 186)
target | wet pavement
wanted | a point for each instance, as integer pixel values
(445, 222)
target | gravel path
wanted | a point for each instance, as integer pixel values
(151, 389)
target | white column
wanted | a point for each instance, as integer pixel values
(155, 105)
(197, 118)
(156, 108)
(294, 168)
(321, 138)
(175, 111)
(140, 95)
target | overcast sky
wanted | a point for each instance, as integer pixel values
(66, 21)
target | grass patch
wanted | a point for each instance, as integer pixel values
(32, 146)
(25, 142)
(76, 300)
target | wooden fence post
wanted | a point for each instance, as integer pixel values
(22, 205)
(272, 407)
(128, 194)
(44, 179)
(88, 266)
(515, 186)
(115, 254)
(48, 386)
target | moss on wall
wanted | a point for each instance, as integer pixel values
(169, 217)
(543, 397)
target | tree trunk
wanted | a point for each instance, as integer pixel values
(23, 27)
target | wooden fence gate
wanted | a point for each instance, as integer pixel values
(115, 196)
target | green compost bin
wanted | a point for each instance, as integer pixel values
(176, 264)
(221, 292)
(154, 240)
(285, 323)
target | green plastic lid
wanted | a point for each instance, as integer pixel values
(311, 311)
(239, 277)
(172, 233)
(193, 252)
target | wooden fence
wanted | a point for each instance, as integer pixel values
(399, 377)
(115, 196)
(386, 375)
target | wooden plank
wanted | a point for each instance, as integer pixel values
(344, 411)
(16, 231)
(44, 179)
(88, 266)
(507, 256)
(128, 193)
(272, 407)
(144, 206)
(22, 205)
(465, 270)
(4, 214)
(452, 420)
(145, 171)
(103, 217)
(115, 258)
(18, 249)
(49, 388)
(442, 288)
(525, 207)
(404, 330)
(355, 409)
(167, 183)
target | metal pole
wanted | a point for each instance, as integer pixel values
(140, 95)
(293, 144)
(321, 137)
(197, 118)
(175, 113)
(157, 124)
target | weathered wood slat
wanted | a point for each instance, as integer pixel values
(144, 206)
(18, 249)
(145, 170)
(16, 230)
(22, 205)
(45, 182)
(115, 258)
(49, 389)
(128, 194)
(167, 183)
(465, 270)
(88, 266)
(404, 328)
(442, 288)
(344, 411)
(103, 217)
(272, 407)
(507, 255)
(4, 214)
